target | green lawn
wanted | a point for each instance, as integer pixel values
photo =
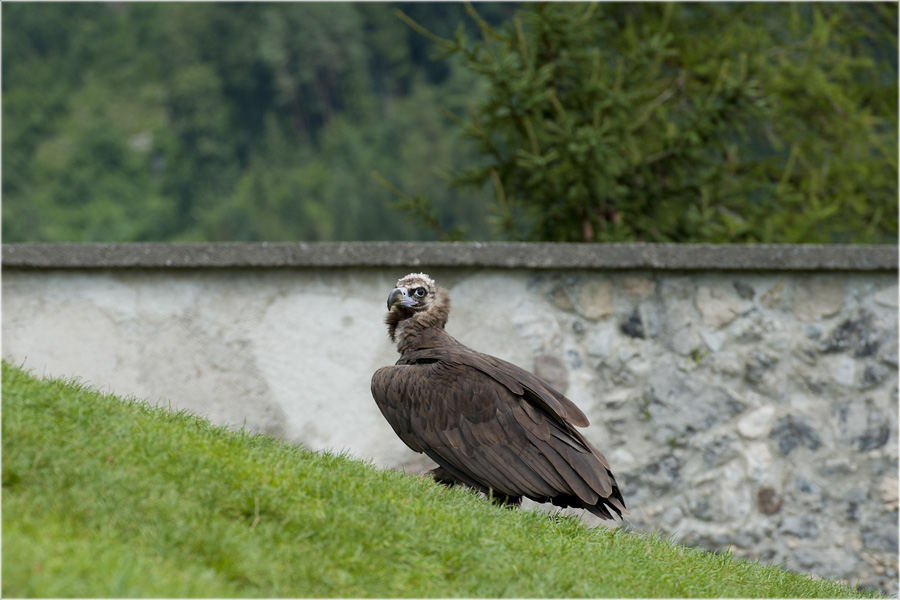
(104, 497)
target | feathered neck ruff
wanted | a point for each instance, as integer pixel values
(412, 330)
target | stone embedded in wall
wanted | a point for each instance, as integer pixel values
(887, 297)
(878, 436)
(888, 489)
(594, 300)
(793, 431)
(534, 327)
(561, 299)
(881, 533)
(755, 328)
(574, 359)
(818, 297)
(620, 373)
(769, 501)
(805, 352)
(889, 355)
(681, 335)
(718, 305)
(756, 368)
(857, 334)
(649, 315)
(873, 376)
(874, 437)
(600, 344)
(861, 424)
(760, 464)
(774, 295)
(727, 363)
(757, 422)
(744, 290)
(734, 501)
(842, 370)
(616, 399)
(578, 327)
(633, 326)
(638, 287)
(714, 340)
(803, 527)
(653, 480)
(700, 507)
(807, 487)
(719, 451)
(837, 467)
(622, 456)
(640, 365)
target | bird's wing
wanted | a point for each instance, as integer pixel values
(537, 390)
(516, 379)
(472, 424)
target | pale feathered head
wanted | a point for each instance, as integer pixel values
(416, 295)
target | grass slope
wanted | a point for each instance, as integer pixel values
(109, 498)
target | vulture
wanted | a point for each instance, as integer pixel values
(487, 423)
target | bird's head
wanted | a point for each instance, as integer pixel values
(416, 295)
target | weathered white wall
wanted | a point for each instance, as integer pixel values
(750, 410)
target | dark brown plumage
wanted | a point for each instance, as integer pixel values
(488, 423)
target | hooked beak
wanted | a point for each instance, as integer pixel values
(400, 296)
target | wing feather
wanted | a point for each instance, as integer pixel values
(589, 470)
(542, 393)
(542, 465)
(518, 481)
(388, 392)
(528, 418)
(516, 379)
(527, 472)
(573, 480)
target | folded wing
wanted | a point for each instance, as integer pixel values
(494, 426)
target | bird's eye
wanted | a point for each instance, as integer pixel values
(419, 292)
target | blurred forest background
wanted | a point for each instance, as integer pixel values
(731, 122)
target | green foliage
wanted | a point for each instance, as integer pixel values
(747, 122)
(420, 208)
(110, 498)
(224, 121)
(264, 121)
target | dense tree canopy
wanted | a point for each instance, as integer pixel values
(226, 121)
(687, 122)
(265, 121)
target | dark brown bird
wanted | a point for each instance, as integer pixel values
(489, 424)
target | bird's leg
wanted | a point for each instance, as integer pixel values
(442, 476)
(504, 500)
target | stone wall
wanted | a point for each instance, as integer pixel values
(744, 402)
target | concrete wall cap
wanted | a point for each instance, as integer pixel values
(512, 255)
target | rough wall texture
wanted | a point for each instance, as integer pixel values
(750, 410)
